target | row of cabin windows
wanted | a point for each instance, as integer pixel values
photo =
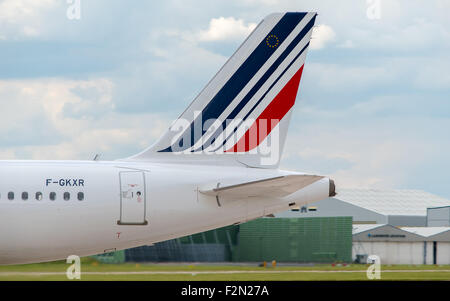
(52, 196)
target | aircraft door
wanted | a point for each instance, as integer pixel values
(132, 198)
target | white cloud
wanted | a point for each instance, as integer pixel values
(16, 10)
(322, 35)
(221, 29)
(34, 123)
(347, 44)
(23, 17)
(334, 78)
(378, 157)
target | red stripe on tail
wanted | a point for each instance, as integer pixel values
(270, 117)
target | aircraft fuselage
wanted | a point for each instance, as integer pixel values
(52, 209)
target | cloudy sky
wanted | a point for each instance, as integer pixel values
(373, 108)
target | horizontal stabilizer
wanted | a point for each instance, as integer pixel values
(273, 187)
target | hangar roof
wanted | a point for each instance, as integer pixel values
(385, 232)
(392, 201)
(426, 231)
(358, 228)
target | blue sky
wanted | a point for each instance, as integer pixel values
(373, 108)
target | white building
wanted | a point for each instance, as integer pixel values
(374, 206)
(438, 217)
(406, 245)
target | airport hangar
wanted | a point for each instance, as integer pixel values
(401, 226)
(376, 206)
(401, 245)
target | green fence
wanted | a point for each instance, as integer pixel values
(316, 239)
(112, 257)
(320, 239)
(226, 235)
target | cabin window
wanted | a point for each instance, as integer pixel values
(24, 195)
(39, 196)
(52, 196)
(10, 195)
(66, 196)
(80, 196)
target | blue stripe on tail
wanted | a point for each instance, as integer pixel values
(261, 82)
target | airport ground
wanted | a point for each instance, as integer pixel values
(93, 270)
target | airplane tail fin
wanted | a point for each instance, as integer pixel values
(243, 113)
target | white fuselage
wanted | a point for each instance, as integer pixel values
(123, 204)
